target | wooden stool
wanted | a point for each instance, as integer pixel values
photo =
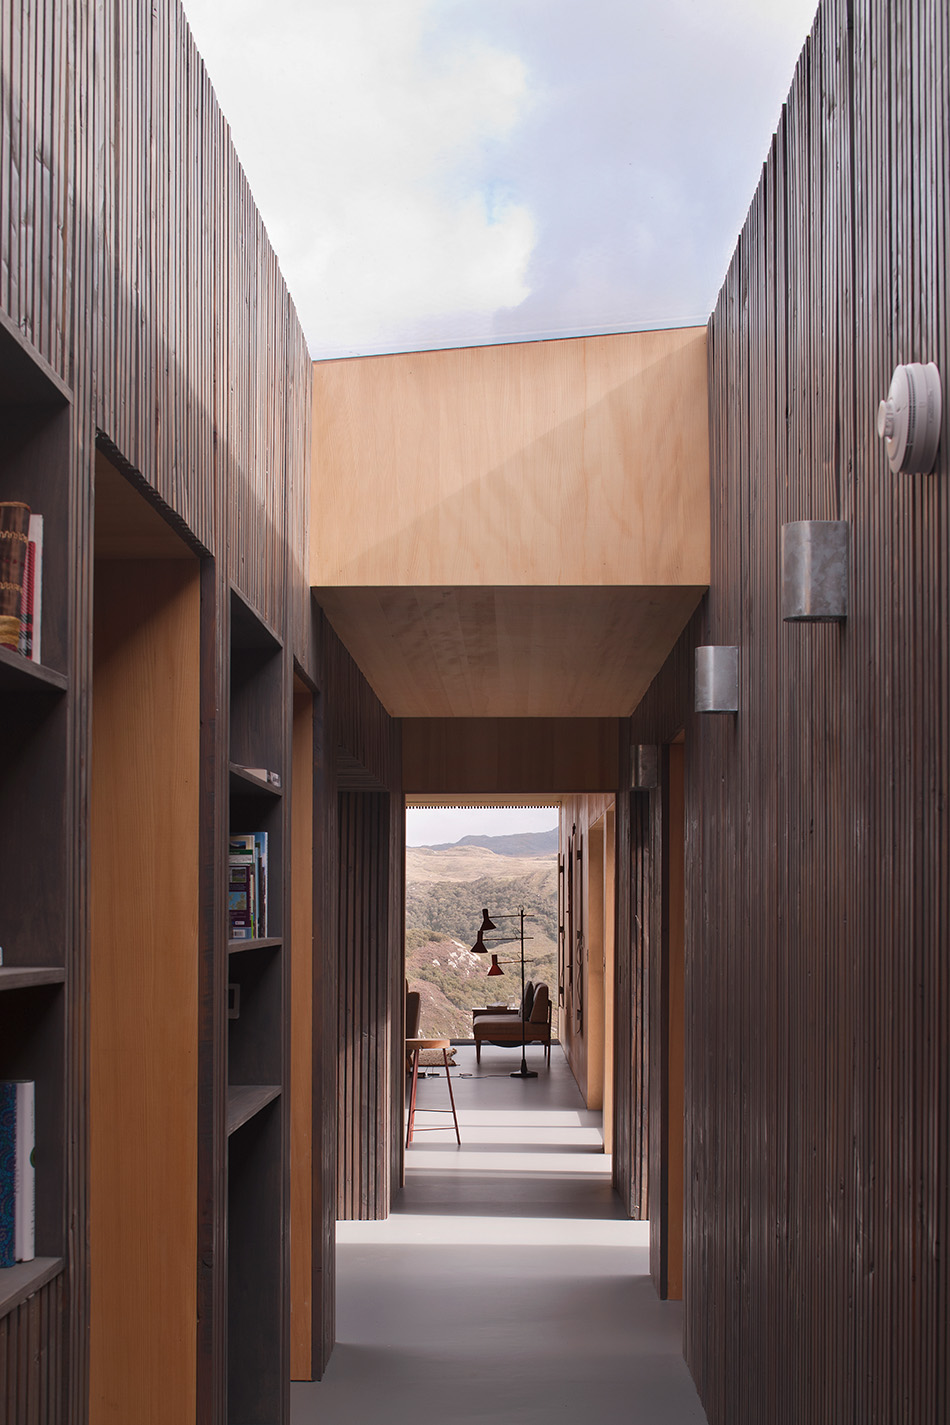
(415, 1047)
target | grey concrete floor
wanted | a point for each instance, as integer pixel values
(507, 1285)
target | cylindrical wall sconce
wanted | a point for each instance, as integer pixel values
(717, 679)
(815, 571)
(908, 420)
(645, 767)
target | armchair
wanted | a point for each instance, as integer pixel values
(503, 1028)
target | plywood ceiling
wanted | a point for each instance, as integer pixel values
(510, 651)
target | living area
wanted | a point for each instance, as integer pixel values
(509, 943)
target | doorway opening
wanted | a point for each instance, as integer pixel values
(461, 861)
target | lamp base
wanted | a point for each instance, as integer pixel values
(524, 1073)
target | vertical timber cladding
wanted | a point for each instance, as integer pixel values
(365, 1005)
(818, 1004)
(48, 185)
(364, 837)
(132, 258)
(660, 717)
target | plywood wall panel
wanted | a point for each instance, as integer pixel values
(599, 445)
(144, 992)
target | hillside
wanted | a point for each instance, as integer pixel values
(519, 843)
(446, 888)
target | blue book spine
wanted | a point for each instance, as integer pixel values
(7, 1174)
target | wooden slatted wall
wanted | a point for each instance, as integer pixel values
(133, 258)
(365, 1006)
(32, 1357)
(363, 838)
(818, 846)
(47, 186)
(661, 715)
(202, 373)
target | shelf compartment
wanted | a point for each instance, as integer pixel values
(25, 1279)
(256, 1235)
(32, 1046)
(237, 947)
(34, 732)
(21, 977)
(244, 783)
(254, 1036)
(19, 675)
(246, 1100)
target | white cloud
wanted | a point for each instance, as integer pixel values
(440, 172)
(367, 134)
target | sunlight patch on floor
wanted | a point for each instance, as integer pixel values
(435, 1231)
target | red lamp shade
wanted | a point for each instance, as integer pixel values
(494, 968)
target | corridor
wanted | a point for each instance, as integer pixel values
(506, 1286)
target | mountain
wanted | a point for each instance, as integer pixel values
(446, 888)
(520, 843)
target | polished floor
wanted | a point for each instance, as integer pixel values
(506, 1286)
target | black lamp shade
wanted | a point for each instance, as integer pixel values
(487, 924)
(479, 948)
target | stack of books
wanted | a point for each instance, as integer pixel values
(17, 1172)
(247, 886)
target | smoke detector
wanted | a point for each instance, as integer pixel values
(909, 420)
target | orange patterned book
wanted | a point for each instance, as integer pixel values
(14, 527)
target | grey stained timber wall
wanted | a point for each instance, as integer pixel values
(818, 855)
(133, 259)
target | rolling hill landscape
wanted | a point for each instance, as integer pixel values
(446, 888)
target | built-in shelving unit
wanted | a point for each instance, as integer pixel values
(257, 1038)
(35, 420)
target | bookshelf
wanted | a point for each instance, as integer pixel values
(257, 1114)
(35, 804)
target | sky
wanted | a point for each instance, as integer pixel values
(455, 172)
(431, 826)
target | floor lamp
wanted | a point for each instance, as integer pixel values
(481, 948)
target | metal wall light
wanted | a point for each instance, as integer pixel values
(717, 679)
(644, 766)
(815, 571)
(908, 420)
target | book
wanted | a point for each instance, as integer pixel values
(31, 601)
(244, 849)
(25, 1184)
(240, 896)
(260, 852)
(17, 1171)
(7, 1174)
(14, 527)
